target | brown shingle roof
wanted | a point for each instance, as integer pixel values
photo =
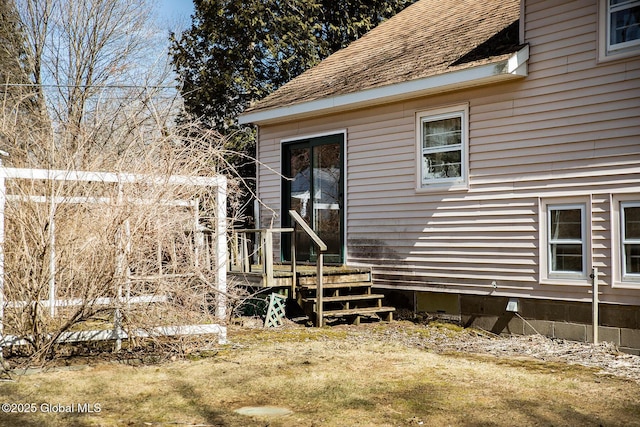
(428, 38)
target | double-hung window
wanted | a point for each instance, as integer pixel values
(566, 241)
(630, 230)
(442, 140)
(622, 26)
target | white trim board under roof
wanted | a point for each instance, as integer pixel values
(512, 67)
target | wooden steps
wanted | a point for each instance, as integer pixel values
(335, 278)
(358, 313)
(347, 295)
(349, 298)
(336, 286)
(346, 291)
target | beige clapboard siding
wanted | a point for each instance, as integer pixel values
(583, 100)
(382, 158)
(571, 128)
(397, 127)
(581, 26)
(565, 107)
(562, 164)
(268, 151)
(381, 144)
(556, 137)
(549, 13)
(458, 279)
(449, 247)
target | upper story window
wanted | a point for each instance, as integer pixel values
(442, 142)
(622, 26)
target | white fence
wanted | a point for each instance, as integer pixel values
(219, 249)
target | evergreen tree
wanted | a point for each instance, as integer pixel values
(21, 101)
(238, 51)
(12, 48)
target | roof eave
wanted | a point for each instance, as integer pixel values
(506, 69)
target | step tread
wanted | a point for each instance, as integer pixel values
(333, 278)
(336, 285)
(346, 298)
(357, 311)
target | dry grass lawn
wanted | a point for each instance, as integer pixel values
(342, 376)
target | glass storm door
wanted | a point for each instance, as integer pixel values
(314, 190)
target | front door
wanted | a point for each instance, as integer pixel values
(314, 189)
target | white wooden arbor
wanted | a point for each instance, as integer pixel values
(220, 249)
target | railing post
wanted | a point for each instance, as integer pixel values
(294, 269)
(233, 251)
(319, 262)
(268, 256)
(246, 262)
(319, 290)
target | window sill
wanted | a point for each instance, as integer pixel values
(615, 56)
(626, 284)
(443, 187)
(566, 281)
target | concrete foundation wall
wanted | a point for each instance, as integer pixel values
(555, 319)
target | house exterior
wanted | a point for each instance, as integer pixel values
(472, 153)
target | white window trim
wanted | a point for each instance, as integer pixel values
(632, 277)
(546, 276)
(605, 51)
(620, 280)
(458, 183)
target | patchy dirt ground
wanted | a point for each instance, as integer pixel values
(377, 374)
(449, 339)
(438, 337)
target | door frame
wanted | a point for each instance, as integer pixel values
(284, 218)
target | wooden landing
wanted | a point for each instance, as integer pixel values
(283, 278)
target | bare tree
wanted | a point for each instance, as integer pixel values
(92, 246)
(99, 110)
(88, 59)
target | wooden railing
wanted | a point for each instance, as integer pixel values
(241, 256)
(322, 248)
(262, 251)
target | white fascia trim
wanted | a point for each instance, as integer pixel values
(513, 67)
